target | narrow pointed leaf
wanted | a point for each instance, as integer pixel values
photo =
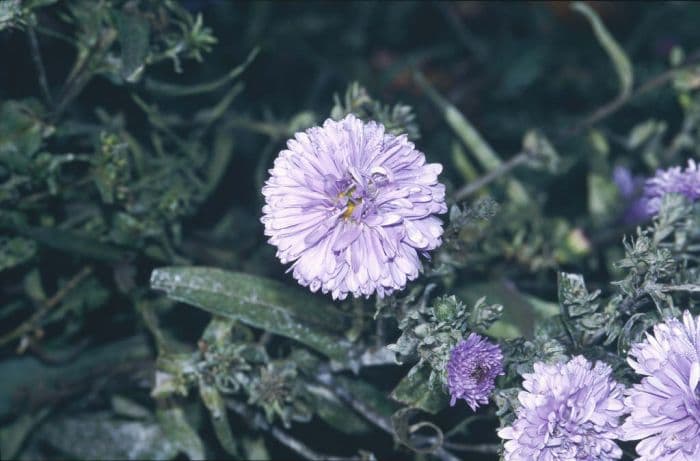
(259, 302)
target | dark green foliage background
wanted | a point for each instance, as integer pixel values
(122, 169)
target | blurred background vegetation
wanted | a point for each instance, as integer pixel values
(137, 134)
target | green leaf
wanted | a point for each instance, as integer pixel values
(128, 408)
(525, 65)
(134, 32)
(255, 448)
(463, 165)
(622, 64)
(463, 128)
(335, 413)
(206, 117)
(28, 379)
(10, 13)
(219, 419)
(21, 132)
(543, 156)
(31, 4)
(644, 132)
(100, 436)
(33, 286)
(420, 389)
(221, 157)
(67, 241)
(518, 316)
(91, 295)
(574, 297)
(259, 302)
(13, 435)
(372, 397)
(602, 196)
(179, 432)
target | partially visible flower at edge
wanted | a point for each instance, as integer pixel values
(672, 180)
(353, 207)
(569, 411)
(472, 369)
(665, 407)
(631, 189)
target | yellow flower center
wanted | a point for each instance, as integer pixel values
(351, 203)
(348, 211)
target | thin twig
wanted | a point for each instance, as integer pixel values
(492, 175)
(39, 64)
(50, 303)
(490, 448)
(617, 103)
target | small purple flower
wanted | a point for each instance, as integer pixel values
(631, 190)
(665, 407)
(570, 411)
(352, 207)
(472, 370)
(626, 183)
(673, 180)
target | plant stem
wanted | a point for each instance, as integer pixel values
(461, 31)
(491, 176)
(39, 64)
(82, 71)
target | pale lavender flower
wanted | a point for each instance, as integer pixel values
(673, 180)
(665, 407)
(352, 207)
(569, 411)
(472, 369)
